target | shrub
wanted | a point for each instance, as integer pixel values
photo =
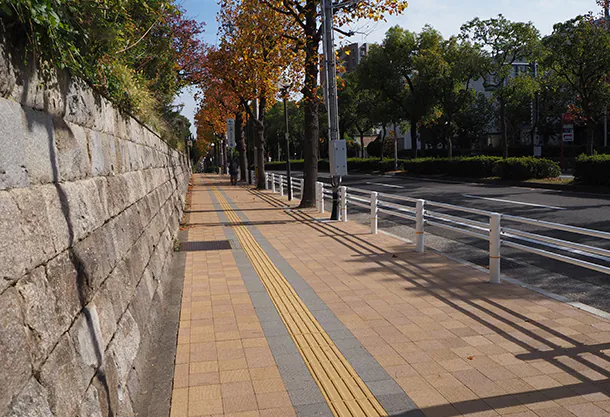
(467, 167)
(593, 170)
(526, 168)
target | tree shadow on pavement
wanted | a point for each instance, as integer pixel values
(496, 309)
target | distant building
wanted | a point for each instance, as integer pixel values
(351, 55)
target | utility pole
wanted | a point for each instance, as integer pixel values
(288, 173)
(330, 67)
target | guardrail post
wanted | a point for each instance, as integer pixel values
(419, 226)
(291, 189)
(322, 208)
(273, 183)
(494, 248)
(302, 187)
(343, 196)
(374, 213)
(281, 185)
(266, 179)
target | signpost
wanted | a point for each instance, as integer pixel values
(231, 133)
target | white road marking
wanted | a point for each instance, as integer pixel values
(513, 202)
(385, 185)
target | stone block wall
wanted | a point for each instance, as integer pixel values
(90, 202)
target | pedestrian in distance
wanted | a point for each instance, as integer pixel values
(233, 169)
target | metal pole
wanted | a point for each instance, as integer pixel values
(374, 212)
(330, 67)
(287, 150)
(419, 226)
(494, 248)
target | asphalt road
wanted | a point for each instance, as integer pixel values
(590, 211)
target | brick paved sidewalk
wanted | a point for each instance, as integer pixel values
(320, 319)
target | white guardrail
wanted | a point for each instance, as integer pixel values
(492, 228)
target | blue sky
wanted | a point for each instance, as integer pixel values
(444, 15)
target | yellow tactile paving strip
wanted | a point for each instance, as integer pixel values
(343, 389)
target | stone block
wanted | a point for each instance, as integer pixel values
(96, 152)
(121, 125)
(29, 86)
(31, 402)
(119, 289)
(13, 170)
(65, 282)
(40, 151)
(110, 154)
(40, 316)
(125, 346)
(37, 241)
(90, 406)
(12, 257)
(72, 153)
(83, 208)
(118, 195)
(94, 258)
(15, 366)
(80, 103)
(86, 336)
(7, 71)
(58, 215)
(61, 376)
(105, 310)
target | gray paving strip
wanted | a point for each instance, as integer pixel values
(391, 396)
(303, 391)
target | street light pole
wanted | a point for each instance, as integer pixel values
(287, 145)
(331, 95)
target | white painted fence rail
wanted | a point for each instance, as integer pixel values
(492, 227)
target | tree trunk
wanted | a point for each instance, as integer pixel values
(310, 93)
(503, 128)
(382, 142)
(414, 137)
(240, 139)
(395, 148)
(590, 138)
(259, 140)
(450, 146)
(361, 144)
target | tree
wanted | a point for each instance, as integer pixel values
(446, 72)
(307, 35)
(579, 53)
(391, 69)
(249, 63)
(505, 43)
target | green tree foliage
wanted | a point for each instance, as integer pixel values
(133, 51)
(505, 43)
(446, 69)
(579, 54)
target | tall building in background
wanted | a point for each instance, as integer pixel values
(351, 55)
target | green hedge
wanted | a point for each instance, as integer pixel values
(525, 168)
(593, 170)
(353, 164)
(466, 167)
